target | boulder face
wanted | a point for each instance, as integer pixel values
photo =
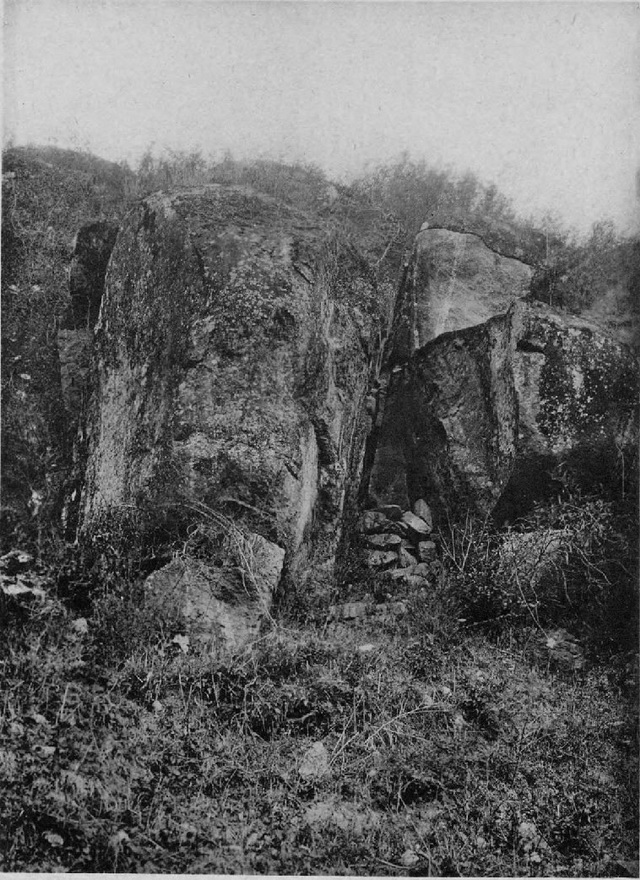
(237, 342)
(461, 415)
(577, 391)
(575, 385)
(453, 280)
(221, 606)
(489, 410)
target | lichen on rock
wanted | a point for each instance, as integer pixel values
(235, 350)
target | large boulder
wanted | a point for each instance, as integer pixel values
(577, 390)
(237, 342)
(461, 411)
(221, 606)
(454, 280)
(489, 412)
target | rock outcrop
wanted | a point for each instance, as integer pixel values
(235, 365)
(489, 411)
(453, 280)
(577, 392)
(237, 343)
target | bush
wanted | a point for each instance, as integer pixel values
(571, 562)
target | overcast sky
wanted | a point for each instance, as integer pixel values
(542, 98)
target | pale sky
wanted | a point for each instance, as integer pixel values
(542, 98)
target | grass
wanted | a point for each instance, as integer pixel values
(447, 747)
(453, 737)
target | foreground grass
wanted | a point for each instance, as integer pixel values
(401, 744)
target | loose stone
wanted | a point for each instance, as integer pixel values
(418, 528)
(422, 509)
(381, 559)
(426, 550)
(385, 541)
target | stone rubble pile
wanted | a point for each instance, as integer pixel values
(399, 542)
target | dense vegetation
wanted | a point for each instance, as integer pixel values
(47, 195)
(486, 726)
(573, 273)
(483, 726)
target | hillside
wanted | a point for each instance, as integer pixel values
(47, 196)
(319, 526)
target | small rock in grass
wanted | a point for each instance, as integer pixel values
(348, 611)
(81, 626)
(427, 550)
(315, 763)
(399, 608)
(409, 858)
(565, 649)
(353, 610)
(421, 569)
(401, 574)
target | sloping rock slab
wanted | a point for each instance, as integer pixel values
(455, 281)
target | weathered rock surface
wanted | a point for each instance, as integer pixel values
(221, 607)
(422, 509)
(577, 392)
(418, 527)
(427, 550)
(454, 281)
(460, 402)
(489, 410)
(237, 343)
